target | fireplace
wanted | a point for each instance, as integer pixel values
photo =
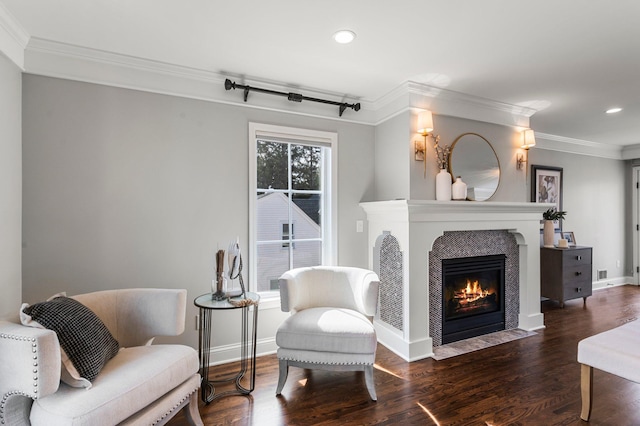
(473, 295)
(409, 240)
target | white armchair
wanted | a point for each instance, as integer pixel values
(331, 323)
(143, 384)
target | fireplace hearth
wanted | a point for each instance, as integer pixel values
(473, 293)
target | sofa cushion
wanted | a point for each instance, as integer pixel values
(132, 380)
(85, 341)
(328, 330)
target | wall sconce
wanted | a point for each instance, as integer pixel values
(528, 141)
(425, 127)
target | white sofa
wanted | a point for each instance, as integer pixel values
(143, 384)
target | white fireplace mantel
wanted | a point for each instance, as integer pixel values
(416, 224)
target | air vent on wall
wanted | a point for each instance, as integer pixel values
(602, 274)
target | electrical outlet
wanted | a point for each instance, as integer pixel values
(618, 263)
(197, 322)
(359, 226)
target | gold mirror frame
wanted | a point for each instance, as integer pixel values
(477, 167)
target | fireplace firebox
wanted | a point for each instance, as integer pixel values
(473, 296)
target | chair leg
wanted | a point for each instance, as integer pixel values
(586, 388)
(284, 372)
(368, 378)
(191, 412)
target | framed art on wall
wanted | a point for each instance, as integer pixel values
(546, 187)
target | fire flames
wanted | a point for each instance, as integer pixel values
(472, 293)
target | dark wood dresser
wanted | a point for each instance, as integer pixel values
(565, 274)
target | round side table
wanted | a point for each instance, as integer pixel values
(207, 305)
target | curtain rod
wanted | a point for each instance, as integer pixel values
(293, 97)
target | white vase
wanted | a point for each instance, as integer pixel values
(443, 186)
(547, 233)
(459, 189)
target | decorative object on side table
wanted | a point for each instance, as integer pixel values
(550, 216)
(235, 267)
(459, 190)
(443, 178)
(218, 293)
(222, 286)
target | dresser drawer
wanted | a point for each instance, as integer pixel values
(573, 291)
(576, 257)
(574, 274)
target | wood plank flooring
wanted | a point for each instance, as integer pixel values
(532, 381)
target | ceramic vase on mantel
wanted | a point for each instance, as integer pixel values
(459, 190)
(547, 233)
(443, 186)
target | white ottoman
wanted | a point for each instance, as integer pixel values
(616, 351)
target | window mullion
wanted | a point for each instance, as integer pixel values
(290, 205)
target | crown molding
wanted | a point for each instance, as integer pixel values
(13, 37)
(631, 152)
(413, 95)
(578, 146)
(60, 60)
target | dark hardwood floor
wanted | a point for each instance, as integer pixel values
(532, 381)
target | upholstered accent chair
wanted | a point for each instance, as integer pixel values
(330, 326)
(141, 384)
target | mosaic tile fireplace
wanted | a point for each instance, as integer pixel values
(456, 245)
(409, 241)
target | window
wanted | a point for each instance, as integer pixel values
(292, 202)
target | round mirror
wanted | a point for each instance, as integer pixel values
(474, 160)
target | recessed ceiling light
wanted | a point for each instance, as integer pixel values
(344, 36)
(613, 110)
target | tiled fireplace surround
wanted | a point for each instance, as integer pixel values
(408, 240)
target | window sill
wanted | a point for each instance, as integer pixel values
(269, 303)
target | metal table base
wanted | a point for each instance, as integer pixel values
(247, 347)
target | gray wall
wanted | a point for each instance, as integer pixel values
(503, 139)
(597, 191)
(10, 187)
(392, 155)
(125, 188)
(595, 197)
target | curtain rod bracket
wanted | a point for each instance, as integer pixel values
(293, 97)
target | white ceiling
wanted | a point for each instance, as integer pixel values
(570, 60)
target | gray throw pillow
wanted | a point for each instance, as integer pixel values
(83, 336)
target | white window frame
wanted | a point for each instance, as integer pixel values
(330, 223)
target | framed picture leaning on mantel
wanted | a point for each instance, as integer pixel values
(546, 187)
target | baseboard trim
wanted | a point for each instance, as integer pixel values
(231, 353)
(611, 282)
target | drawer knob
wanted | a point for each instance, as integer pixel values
(578, 273)
(579, 257)
(579, 289)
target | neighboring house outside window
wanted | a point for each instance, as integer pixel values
(286, 235)
(292, 203)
